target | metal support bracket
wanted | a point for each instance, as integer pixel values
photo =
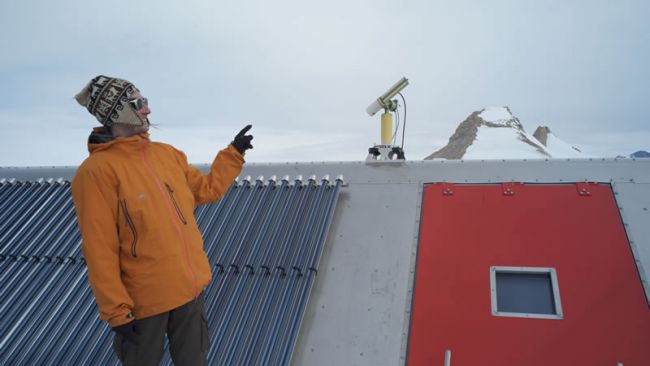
(583, 189)
(508, 188)
(447, 189)
(385, 153)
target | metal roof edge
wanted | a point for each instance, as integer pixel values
(494, 170)
(36, 172)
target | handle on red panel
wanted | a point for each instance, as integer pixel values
(448, 358)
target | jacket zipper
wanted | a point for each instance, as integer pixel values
(153, 175)
(178, 210)
(131, 225)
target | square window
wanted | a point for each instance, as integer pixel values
(528, 292)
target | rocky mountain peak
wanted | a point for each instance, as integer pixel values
(491, 133)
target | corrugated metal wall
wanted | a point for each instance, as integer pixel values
(264, 240)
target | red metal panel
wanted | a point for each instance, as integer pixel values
(606, 316)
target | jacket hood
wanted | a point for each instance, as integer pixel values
(100, 139)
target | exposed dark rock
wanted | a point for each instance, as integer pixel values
(541, 134)
(461, 139)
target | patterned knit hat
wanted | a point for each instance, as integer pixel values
(107, 99)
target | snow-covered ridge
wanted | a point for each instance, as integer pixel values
(496, 115)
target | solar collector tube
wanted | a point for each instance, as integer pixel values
(70, 245)
(243, 246)
(236, 239)
(284, 317)
(104, 355)
(280, 257)
(91, 338)
(298, 259)
(291, 316)
(216, 299)
(258, 351)
(46, 326)
(10, 294)
(266, 222)
(274, 216)
(15, 299)
(5, 187)
(246, 322)
(218, 324)
(299, 228)
(76, 306)
(240, 317)
(282, 311)
(88, 339)
(43, 238)
(311, 242)
(213, 212)
(199, 214)
(11, 276)
(214, 293)
(13, 200)
(264, 256)
(279, 242)
(37, 316)
(42, 220)
(212, 237)
(322, 235)
(243, 345)
(231, 225)
(239, 245)
(308, 280)
(277, 312)
(16, 316)
(260, 219)
(64, 241)
(47, 237)
(261, 318)
(16, 215)
(29, 216)
(229, 318)
(10, 190)
(222, 299)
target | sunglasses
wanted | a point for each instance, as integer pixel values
(138, 103)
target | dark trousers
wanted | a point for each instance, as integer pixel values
(186, 328)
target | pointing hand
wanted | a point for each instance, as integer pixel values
(242, 142)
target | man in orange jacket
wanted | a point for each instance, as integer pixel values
(135, 203)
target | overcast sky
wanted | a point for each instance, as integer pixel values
(303, 72)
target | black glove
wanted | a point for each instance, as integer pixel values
(128, 331)
(242, 142)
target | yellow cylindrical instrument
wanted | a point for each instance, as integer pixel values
(386, 128)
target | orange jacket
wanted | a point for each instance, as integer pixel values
(135, 204)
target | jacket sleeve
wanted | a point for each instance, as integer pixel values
(95, 199)
(211, 187)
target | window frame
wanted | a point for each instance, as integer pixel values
(526, 270)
